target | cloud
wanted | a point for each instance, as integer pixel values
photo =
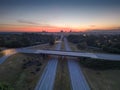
(92, 25)
(35, 23)
(27, 22)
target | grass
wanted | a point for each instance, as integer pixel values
(62, 46)
(16, 76)
(1, 54)
(102, 78)
(74, 48)
(45, 46)
(62, 81)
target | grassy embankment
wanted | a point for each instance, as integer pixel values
(1, 54)
(44, 47)
(74, 48)
(22, 71)
(102, 75)
(62, 80)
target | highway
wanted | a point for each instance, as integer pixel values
(46, 81)
(78, 80)
(104, 56)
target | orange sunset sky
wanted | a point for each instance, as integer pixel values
(54, 16)
(32, 28)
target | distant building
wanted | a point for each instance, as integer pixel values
(61, 31)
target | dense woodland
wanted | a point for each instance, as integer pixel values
(24, 39)
(103, 42)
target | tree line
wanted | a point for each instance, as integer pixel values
(106, 43)
(24, 40)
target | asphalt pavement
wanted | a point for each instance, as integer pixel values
(46, 82)
(78, 80)
(104, 56)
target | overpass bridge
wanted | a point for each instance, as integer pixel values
(103, 56)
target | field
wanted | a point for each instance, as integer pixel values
(1, 54)
(21, 71)
(102, 75)
(44, 47)
(74, 48)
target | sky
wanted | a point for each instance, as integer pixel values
(57, 15)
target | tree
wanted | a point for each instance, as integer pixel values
(52, 40)
(2, 41)
(82, 45)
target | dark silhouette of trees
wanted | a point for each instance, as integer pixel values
(52, 40)
(99, 64)
(106, 43)
(2, 41)
(82, 45)
(24, 40)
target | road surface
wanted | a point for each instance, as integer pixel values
(114, 57)
(78, 80)
(103, 56)
(46, 81)
(7, 53)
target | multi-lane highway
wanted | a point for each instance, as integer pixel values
(78, 80)
(46, 81)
